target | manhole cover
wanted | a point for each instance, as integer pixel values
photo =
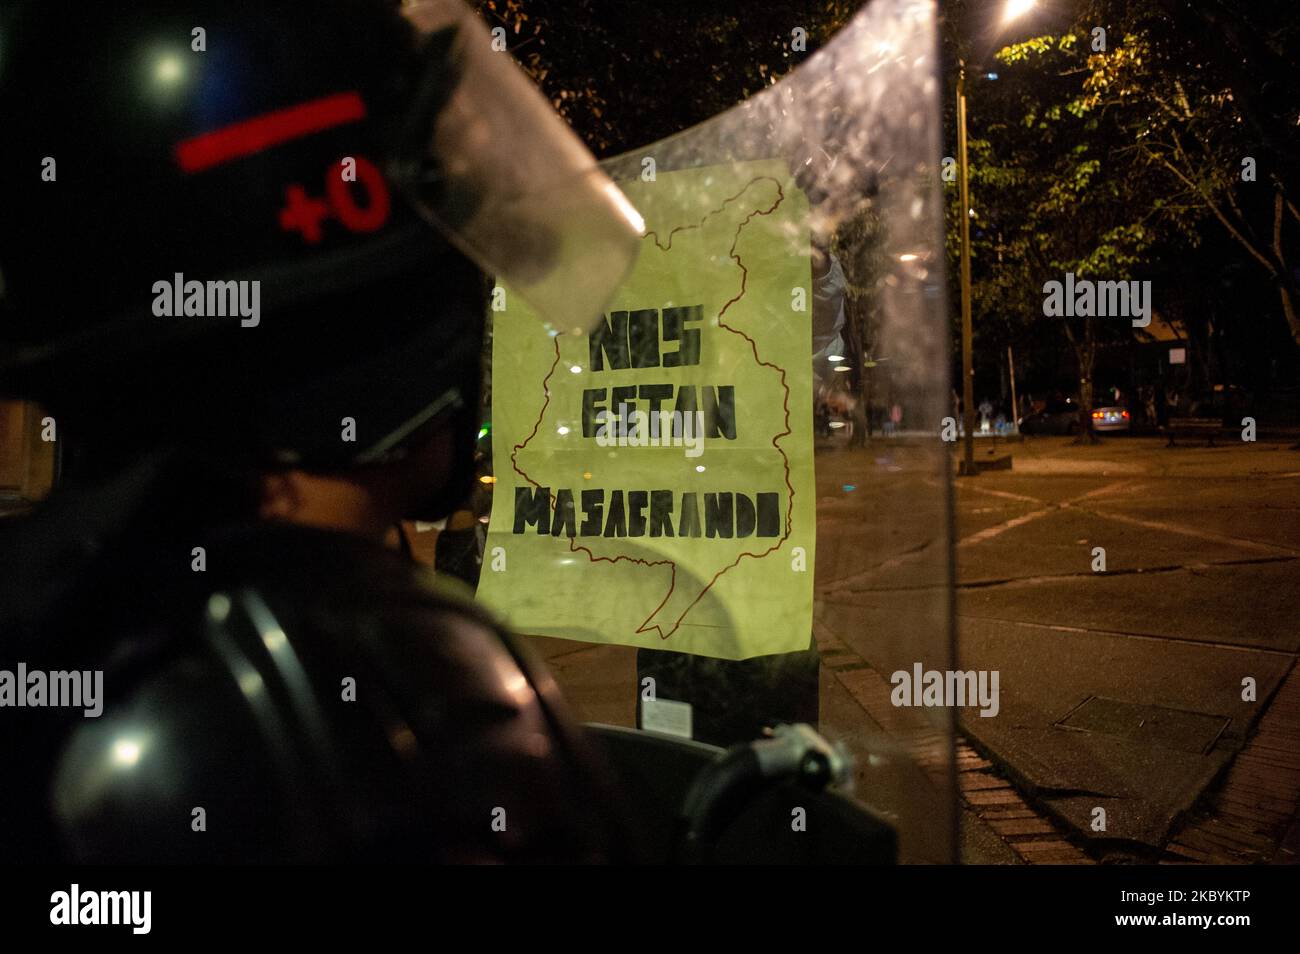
(1176, 729)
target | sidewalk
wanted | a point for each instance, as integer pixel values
(1123, 689)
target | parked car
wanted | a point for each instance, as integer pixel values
(1058, 417)
(1110, 419)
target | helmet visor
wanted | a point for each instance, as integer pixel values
(506, 180)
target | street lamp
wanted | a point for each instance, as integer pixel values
(1012, 10)
(1016, 8)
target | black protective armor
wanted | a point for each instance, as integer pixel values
(319, 697)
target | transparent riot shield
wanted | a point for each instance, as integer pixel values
(725, 507)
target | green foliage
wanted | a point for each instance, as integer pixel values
(1188, 92)
(634, 72)
(1055, 190)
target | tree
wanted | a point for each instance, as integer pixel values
(1204, 94)
(1049, 199)
(1116, 146)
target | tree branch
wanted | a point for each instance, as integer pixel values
(1223, 219)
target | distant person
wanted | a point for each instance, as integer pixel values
(823, 419)
(895, 417)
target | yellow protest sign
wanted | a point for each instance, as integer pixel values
(654, 478)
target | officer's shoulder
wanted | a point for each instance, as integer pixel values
(332, 566)
(355, 594)
(269, 634)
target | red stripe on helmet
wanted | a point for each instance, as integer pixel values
(250, 136)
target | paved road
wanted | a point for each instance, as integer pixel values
(1120, 689)
(1145, 661)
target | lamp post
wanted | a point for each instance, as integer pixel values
(1012, 10)
(967, 467)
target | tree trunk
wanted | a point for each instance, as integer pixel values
(1289, 309)
(1085, 351)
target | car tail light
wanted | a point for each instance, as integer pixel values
(1096, 415)
(1125, 413)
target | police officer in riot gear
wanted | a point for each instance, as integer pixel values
(242, 255)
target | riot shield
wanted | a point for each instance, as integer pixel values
(726, 507)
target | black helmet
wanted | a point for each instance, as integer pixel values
(226, 229)
(256, 226)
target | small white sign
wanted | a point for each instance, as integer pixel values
(1177, 355)
(666, 716)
